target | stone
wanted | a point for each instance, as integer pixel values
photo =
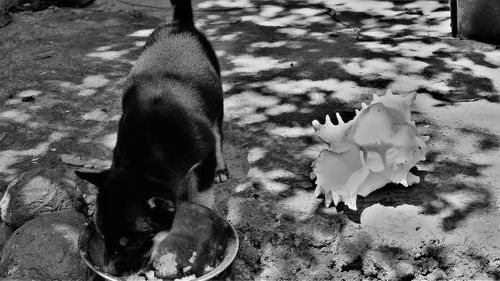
(46, 248)
(37, 192)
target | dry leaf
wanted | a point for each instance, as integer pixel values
(72, 160)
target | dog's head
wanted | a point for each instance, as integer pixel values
(131, 209)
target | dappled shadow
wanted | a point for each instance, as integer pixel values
(284, 64)
(485, 139)
(62, 86)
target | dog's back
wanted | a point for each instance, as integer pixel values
(172, 101)
(181, 57)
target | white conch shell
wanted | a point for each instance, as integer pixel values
(378, 146)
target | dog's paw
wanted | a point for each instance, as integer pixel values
(221, 175)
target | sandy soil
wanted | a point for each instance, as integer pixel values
(286, 63)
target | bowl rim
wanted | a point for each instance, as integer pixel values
(230, 252)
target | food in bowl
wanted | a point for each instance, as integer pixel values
(150, 276)
(208, 268)
(166, 266)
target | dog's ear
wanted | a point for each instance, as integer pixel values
(161, 204)
(162, 211)
(96, 178)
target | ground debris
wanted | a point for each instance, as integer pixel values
(72, 160)
(44, 55)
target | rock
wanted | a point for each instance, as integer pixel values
(37, 192)
(45, 248)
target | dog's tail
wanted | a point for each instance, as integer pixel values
(183, 12)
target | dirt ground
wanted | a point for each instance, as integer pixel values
(285, 64)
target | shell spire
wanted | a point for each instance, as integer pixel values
(339, 118)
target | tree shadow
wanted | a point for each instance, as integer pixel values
(285, 64)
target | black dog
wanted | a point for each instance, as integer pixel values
(169, 134)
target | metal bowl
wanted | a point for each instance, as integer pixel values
(195, 220)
